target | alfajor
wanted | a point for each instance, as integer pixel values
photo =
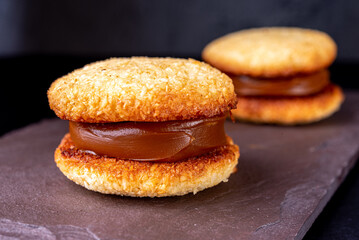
(279, 73)
(145, 127)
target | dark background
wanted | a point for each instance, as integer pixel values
(41, 40)
(160, 27)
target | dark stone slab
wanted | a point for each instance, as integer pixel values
(285, 177)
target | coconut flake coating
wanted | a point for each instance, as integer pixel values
(142, 89)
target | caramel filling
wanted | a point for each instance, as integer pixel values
(150, 141)
(299, 85)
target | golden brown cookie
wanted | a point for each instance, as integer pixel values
(142, 89)
(146, 179)
(271, 52)
(290, 110)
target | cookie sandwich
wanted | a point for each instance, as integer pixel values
(145, 127)
(280, 74)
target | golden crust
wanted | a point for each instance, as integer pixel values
(271, 52)
(290, 110)
(142, 89)
(145, 179)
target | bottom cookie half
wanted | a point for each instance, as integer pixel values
(146, 179)
(290, 110)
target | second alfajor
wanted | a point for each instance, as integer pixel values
(280, 74)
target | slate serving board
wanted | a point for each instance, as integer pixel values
(285, 177)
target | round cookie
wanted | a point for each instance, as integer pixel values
(142, 89)
(146, 179)
(271, 52)
(290, 110)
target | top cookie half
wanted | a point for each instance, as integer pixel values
(142, 89)
(271, 52)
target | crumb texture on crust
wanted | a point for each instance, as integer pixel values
(290, 110)
(271, 52)
(145, 179)
(142, 89)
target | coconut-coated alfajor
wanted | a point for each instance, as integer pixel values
(145, 127)
(279, 73)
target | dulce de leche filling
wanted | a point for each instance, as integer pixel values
(298, 85)
(150, 141)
